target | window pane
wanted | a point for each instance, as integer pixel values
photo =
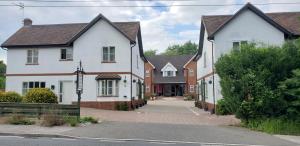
(29, 56)
(110, 87)
(103, 82)
(117, 88)
(35, 60)
(36, 84)
(43, 85)
(29, 59)
(235, 45)
(112, 54)
(243, 43)
(69, 54)
(31, 84)
(63, 54)
(105, 54)
(35, 52)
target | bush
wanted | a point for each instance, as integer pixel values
(222, 108)
(40, 95)
(10, 97)
(71, 120)
(18, 119)
(274, 126)
(252, 81)
(51, 119)
(122, 106)
(88, 120)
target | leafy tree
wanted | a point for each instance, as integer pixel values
(149, 53)
(2, 68)
(186, 48)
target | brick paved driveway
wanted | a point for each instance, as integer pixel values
(164, 110)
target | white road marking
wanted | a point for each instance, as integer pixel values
(197, 114)
(164, 141)
(63, 138)
(11, 136)
(161, 143)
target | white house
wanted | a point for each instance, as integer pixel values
(47, 56)
(220, 33)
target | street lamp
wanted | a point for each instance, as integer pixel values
(79, 85)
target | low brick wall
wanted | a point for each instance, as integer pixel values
(111, 105)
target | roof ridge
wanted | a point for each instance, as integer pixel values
(56, 24)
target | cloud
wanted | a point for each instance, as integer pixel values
(161, 27)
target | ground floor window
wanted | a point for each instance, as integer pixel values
(107, 88)
(32, 84)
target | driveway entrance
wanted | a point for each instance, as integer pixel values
(164, 110)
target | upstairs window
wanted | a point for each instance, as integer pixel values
(32, 56)
(191, 72)
(169, 74)
(66, 54)
(108, 54)
(147, 73)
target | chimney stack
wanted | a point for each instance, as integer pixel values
(27, 22)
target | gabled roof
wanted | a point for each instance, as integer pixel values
(223, 21)
(159, 61)
(287, 22)
(169, 64)
(64, 34)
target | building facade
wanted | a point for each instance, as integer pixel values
(170, 75)
(219, 34)
(46, 56)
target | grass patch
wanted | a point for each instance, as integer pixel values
(274, 126)
(88, 120)
(18, 119)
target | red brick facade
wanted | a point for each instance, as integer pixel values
(148, 79)
(111, 105)
(190, 74)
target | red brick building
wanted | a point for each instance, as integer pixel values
(170, 75)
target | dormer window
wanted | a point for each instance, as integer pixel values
(169, 70)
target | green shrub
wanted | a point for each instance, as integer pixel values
(18, 119)
(222, 108)
(122, 106)
(274, 126)
(40, 95)
(10, 97)
(51, 119)
(71, 120)
(88, 120)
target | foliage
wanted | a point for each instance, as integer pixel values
(10, 97)
(274, 126)
(40, 95)
(2, 68)
(149, 53)
(189, 97)
(291, 92)
(222, 108)
(18, 119)
(88, 120)
(185, 49)
(253, 81)
(2, 82)
(122, 106)
(71, 120)
(51, 119)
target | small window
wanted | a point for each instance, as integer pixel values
(29, 85)
(191, 72)
(204, 60)
(66, 54)
(108, 88)
(108, 54)
(147, 73)
(32, 56)
(192, 88)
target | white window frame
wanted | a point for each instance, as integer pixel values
(27, 83)
(103, 88)
(69, 54)
(109, 54)
(32, 58)
(191, 72)
(147, 73)
(192, 88)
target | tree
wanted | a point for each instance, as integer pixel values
(2, 68)
(150, 52)
(185, 49)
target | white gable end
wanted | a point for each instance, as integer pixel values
(169, 70)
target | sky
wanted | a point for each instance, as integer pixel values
(160, 26)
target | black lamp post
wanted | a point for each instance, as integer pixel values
(79, 85)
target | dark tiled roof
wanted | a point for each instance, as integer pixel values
(59, 34)
(288, 20)
(178, 62)
(108, 76)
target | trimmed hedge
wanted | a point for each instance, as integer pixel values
(10, 97)
(40, 95)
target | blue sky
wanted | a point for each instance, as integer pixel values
(161, 27)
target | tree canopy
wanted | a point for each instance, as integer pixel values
(149, 53)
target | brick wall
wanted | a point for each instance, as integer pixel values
(191, 79)
(148, 80)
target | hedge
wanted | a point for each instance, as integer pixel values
(40, 95)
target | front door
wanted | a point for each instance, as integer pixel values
(66, 90)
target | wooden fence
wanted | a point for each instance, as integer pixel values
(36, 109)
